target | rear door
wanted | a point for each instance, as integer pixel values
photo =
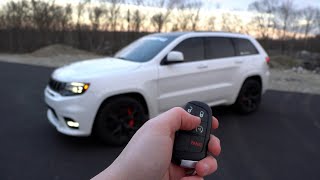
(223, 69)
(252, 62)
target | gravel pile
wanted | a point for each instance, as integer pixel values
(50, 56)
(59, 49)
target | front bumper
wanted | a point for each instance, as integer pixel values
(80, 108)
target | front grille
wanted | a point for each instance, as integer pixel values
(56, 85)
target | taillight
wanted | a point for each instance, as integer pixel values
(267, 59)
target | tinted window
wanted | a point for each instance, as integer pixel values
(144, 49)
(245, 47)
(218, 47)
(192, 49)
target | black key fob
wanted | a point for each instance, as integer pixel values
(192, 146)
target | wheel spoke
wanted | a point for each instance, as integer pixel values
(126, 126)
(134, 111)
(122, 119)
(117, 130)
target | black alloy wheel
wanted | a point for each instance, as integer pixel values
(249, 96)
(119, 119)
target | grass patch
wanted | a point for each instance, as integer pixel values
(283, 62)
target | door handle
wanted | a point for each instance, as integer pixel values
(202, 66)
(240, 61)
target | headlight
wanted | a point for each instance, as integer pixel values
(74, 88)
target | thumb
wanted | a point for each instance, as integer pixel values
(182, 120)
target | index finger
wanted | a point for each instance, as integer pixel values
(215, 123)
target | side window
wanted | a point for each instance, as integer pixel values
(245, 47)
(192, 49)
(219, 47)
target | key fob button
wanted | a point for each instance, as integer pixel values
(201, 129)
(203, 115)
(182, 141)
(196, 144)
(192, 109)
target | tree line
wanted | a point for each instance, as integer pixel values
(106, 25)
(285, 21)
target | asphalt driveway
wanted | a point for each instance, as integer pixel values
(280, 141)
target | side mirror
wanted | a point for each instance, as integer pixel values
(175, 56)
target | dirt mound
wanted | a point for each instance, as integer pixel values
(58, 49)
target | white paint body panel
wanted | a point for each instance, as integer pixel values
(214, 82)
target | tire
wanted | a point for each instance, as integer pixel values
(249, 97)
(118, 119)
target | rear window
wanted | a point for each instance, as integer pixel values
(245, 47)
(219, 47)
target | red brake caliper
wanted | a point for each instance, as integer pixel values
(131, 121)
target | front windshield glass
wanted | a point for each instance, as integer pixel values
(145, 48)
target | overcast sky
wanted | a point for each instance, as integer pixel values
(243, 4)
(224, 4)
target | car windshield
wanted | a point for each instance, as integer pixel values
(145, 48)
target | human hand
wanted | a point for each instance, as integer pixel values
(148, 154)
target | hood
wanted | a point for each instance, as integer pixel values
(88, 68)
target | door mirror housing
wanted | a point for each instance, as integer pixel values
(174, 57)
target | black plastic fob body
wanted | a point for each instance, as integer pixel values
(192, 146)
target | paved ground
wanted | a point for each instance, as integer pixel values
(280, 141)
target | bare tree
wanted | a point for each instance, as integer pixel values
(46, 15)
(238, 25)
(195, 7)
(17, 14)
(318, 20)
(136, 18)
(264, 19)
(309, 15)
(95, 15)
(212, 23)
(41, 14)
(285, 14)
(113, 13)
(80, 11)
(129, 19)
(159, 19)
(183, 19)
(61, 17)
(232, 23)
(79, 26)
(189, 12)
(294, 28)
(226, 22)
(66, 19)
(3, 23)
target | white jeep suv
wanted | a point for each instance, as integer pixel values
(114, 96)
